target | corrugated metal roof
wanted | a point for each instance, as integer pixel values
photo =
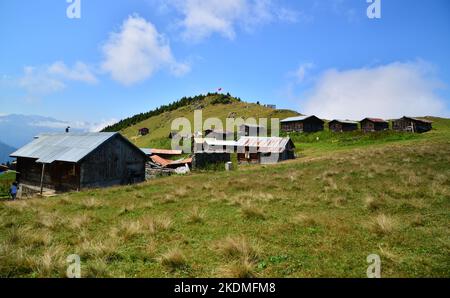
(297, 118)
(344, 121)
(68, 147)
(293, 119)
(264, 144)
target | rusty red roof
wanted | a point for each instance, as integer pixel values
(159, 160)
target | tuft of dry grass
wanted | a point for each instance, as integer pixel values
(91, 249)
(195, 215)
(80, 221)
(90, 204)
(251, 211)
(127, 209)
(157, 224)
(128, 230)
(169, 199)
(51, 263)
(242, 268)
(40, 238)
(97, 269)
(238, 247)
(173, 258)
(304, 220)
(383, 224)
(48, 220)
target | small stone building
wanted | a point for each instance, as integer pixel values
(410, 124)
(343, 125)
(70, 162)
(374, 124)
(302, 124)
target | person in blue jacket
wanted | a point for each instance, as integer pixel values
(13, 191)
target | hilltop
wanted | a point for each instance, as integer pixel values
(212, 105)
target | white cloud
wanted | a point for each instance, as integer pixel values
(76, 125)
(37, 82)
(302, 71)
(45, 80)
(201, 19)
(80, 72)
(137, 51)
(387, 91)
(96, 127)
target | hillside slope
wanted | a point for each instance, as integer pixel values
(317, 216)
(160, 125)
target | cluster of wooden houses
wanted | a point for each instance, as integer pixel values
(314, 124)
(75, 161)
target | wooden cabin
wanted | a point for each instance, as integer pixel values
(343, 125)
(374, 124)
(410, 124)
(143, 131)
(264, 150)
(70, 162)
(252, 130)
(302, 124)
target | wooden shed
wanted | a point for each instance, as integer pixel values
(67, 162)
(302, 124)
(264, 150)
(410, 124)
(343, 125)
(252, 130)
(374, 124)
(143, 131)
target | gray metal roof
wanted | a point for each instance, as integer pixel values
(265, 144)
(297, 118)
(344, 121)
(68, 147)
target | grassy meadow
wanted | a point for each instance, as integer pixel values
(347, 196)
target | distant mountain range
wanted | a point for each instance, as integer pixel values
(5, 151)
(18, 130)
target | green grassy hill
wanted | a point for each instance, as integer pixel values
(346, 197)
(160, 125)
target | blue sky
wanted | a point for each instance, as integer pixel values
(321, 57)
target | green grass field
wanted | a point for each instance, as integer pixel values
(347, 196)
(6, 179)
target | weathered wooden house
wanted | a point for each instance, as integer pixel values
(343, 125)
(209, 152)
(66, 162)
(264, 150)
(302, 124)
(252, 130)
(374, 124)
(143, 131)
(410, 124)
